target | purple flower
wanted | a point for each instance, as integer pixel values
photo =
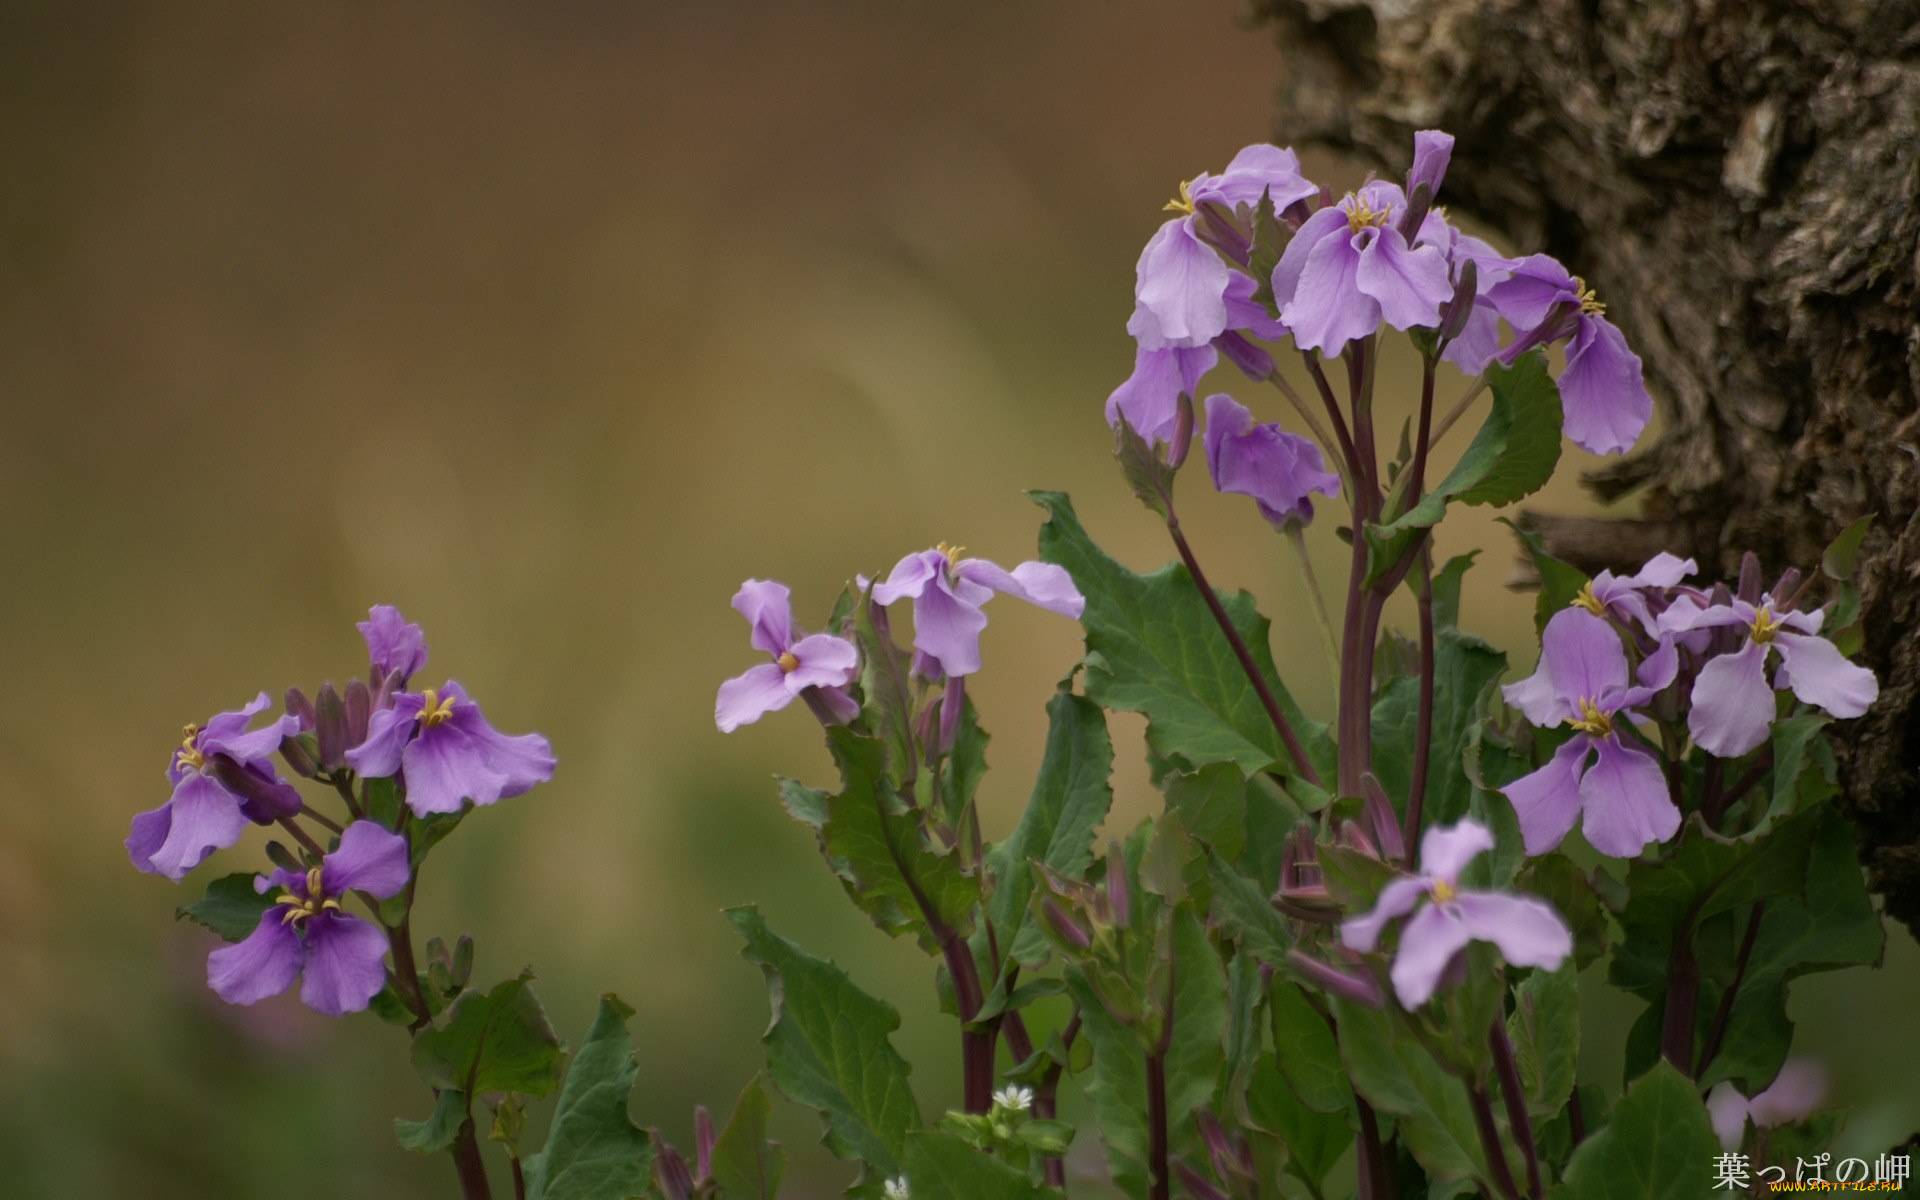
(442, 746)
(1432, 150)
(1150, 398)
(307, 932)
(1794, 1093)
(1181, 282)
(393, 643)
(222, 777)
(1601, 392)
(1349, 268)
(1527, 931)
(947, 593)
(1479, 339)
(1280, 470)
(1582, 681)
(1623, 598)
(1732, 704)
(819, 665)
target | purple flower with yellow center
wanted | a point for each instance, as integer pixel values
(1527, 932)
(222, 777)
(394, 644)
(1582, 682)
(1280, 470)
(948, 592)
(441, 746)
(1349, 268)
(1626, 597)
(816, 667)
(1732, 703)
(307, 933)
(1602, 395)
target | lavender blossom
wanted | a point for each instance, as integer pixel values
(1626, 597)
(1527, 932)
(1349, 268)
(948, 592)
(307, 932)
(1582, 681)
(393, 644)
(1280, 470)
(441, 745)
(223, 777)
(1733, 705)
(1601, 392)
(1794, 1094)
(818, 666)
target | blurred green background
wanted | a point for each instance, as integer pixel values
(550, 325)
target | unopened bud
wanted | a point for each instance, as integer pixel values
(300, 708)
(1454, 314)
(1231, 1156)
(1749, 578)
(301, 754)
(1119, 894)
(463, 960)
(284, 858)
(953, 705)
(1254, 362)
(1308, 902)
(1197, 1185)
(1215, 225)
(1064, 926)
(263, 799)
(330, 728)
(1786, 591)
(703, 1141)
(1355, 838)
(670, 1170)
(830, 706)
(1380, 814)
(359, 712)
(1348, 985)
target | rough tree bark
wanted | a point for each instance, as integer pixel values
(1740, 182)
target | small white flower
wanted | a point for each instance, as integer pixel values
(1014, 1099)
(897, 1188)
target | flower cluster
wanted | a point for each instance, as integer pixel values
(436, 748)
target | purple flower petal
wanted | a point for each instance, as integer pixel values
(1605, 401)
(910, 576)
(345, 967)
(1329, 222)
(1663, 570)
(1427, 944)
(227, 734)
(1445, 851)
(1534, 285)
(1624, 800)
(149, 833)
(1793, 1095)
(1583, 656)
(1822, 676)
(263, 965)
(768, 608)
(1477, 342)
(1328, 309)
(1409, 285)
(1431, 151)
(824, 661)
(1657, 670)
(1244, 312)
(1150, 398)
(1526, 931)
(1396, 900)
(1548, 800)
(388, 732)
(1181, 290)
(747, 697)
(1732, 704)
(1044, 585)
(1259, 168)
(370, 859)
(1727, 1111)
(1278, 469)
(202, 817)
(393, 643)
(1536, 697)
(946, 628)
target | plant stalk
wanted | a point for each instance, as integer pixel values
(1490, 1142)
(1724, 1012)
(471, 1167)
(1518, 1119)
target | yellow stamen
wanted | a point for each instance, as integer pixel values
(1184, 202)
(1765, 624)
(1360, 215)
(1588, 304)
(787, 661)
(1588, 601)
(1591, 720)
(189, 756)
(953, 553)
(1444, 891)
(304, 908)
(435, 709)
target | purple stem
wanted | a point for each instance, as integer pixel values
(1724, 1012)
(1490, 1142)
(1518, 1119)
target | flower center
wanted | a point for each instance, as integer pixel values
(1360, 214)
(301, 909)
(1591, 719)
(953, 553)
(1589, 306)
(787, 661)
(1587, 600)
(435, 709)
(1444, 891)
(1183, 203)
(1765, 624)
(188, 757)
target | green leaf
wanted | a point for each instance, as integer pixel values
(1658, 1145)
(1070, 798)
(1840, 558)
(942, 1167)
(1246, 913)
(1465, 671)
(498, 1041)
(1314, 1140)
(437, 1132)
(875, 845)
(1559, 582)
(1211, 804)
(1397, 1075)
(1446, 590)
(1153, 648)
(1545, 1031)
(1512, 457)
(828, 1048)
(594, 1151)
(1310, 1058)
(1556, 879)
(231, 908)
(746, 1164)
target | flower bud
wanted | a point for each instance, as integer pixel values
(463, 960)
(359, 712)
(1380, 814)
(1216, 225)
(1254, 362)
(1454, 313)
(670, 1170)
(1182, 433)
(330, 728)
(831, 706)
(1197, 1185)
(300, 708)
(703, 1141)
(301, 754)
(1749, 578)
(1786, 591)
(1349, 985)
(1354, 837)
(1119, 893)
(284, 858)
(953, 703)
(1064, 926)
(263, 799)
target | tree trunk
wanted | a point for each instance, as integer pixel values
(1739, 180)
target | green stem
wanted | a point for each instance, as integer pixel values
(1298, 541)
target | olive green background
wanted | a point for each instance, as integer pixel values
(550, 324)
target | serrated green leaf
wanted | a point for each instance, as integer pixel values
(1153, 648)
(1658, 1145)
(1397, 1076)
(1446, 590)
(594, 1151)
(746, 1164)
(498, 1041)
(1560, 582)
(828, 1048)
(1246, 914)
(437, 1132)
(939, 1166)
(1314, 1141)
(1309, 1057)
(230, 907)
(1071, 796)
(1211, 805)
(1544, 1028)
